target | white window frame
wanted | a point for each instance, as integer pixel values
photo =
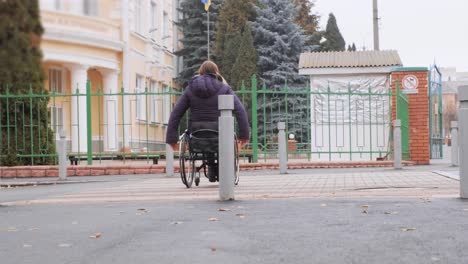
(60, 89)
(138, 16)
(165, 29)
(90, 7)
(154, 103)
(167, 103)
(57, 118)
(51, 4)
(140, 99)
(153, 27)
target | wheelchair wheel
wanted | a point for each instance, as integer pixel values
(236, 162)
(186, 163)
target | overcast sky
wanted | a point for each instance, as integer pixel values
(420, 30)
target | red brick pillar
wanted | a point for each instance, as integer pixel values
(414, 81)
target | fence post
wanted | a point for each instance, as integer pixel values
(254, 119)
(397, 144)
(62, 155)
(226, 147)
(169, 160)
(454, 142)
(88, 124)
(282, 150)
(463, 140)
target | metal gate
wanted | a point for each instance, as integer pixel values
(402, 115)
(326, 123)
(435, 113)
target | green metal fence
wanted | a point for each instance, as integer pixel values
(328, 124)
(134, 121)
(436, 131)
(349, 125)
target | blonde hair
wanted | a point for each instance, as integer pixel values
(209, 67)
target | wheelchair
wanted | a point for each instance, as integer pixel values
(198, 153)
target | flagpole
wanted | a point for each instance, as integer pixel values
(208, 18)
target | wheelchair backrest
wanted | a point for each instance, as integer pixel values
(204, 140)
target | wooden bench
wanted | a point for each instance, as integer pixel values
(75, 157)
(245, 153)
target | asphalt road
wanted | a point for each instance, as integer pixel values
(270, 230)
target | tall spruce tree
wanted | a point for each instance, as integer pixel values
(228, 56)
(279, 42)
(232, 20)
(335, 41)
(195, 40)
(28, 131)
(246, 61)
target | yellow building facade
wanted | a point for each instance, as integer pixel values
(118, 46)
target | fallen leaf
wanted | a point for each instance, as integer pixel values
(64, 245)
(176, 223)
(364, 211)
(213, 219)
(241, 216)
(224, 209)
(391, 213)
(97, 235)
(405, 229)
(141, 211)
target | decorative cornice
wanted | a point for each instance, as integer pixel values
(82, 39)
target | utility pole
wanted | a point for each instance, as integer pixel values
(376, 25)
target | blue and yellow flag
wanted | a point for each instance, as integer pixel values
(207, 4)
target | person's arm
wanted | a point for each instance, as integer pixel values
(177, 113)
(242, 119)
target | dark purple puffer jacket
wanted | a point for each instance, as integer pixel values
(201, 96)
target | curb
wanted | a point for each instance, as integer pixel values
(106, 170)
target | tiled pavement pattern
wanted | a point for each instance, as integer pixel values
(389, 183)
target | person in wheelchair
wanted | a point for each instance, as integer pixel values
(201, 96)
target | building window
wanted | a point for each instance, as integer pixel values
(140, 99)
(153, 20)
(138, 16)
(165, 29)
(57, 119)
(51, 4)
(90, 7)
(167, 103)
(56, 80)
(154, 105)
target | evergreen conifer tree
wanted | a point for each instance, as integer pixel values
(335, 41)
(353, 48)
(246, 61)
(229, 54)
(195, 42)
(279, 42)
(233, 17)
(305, 19)
(21, 71)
